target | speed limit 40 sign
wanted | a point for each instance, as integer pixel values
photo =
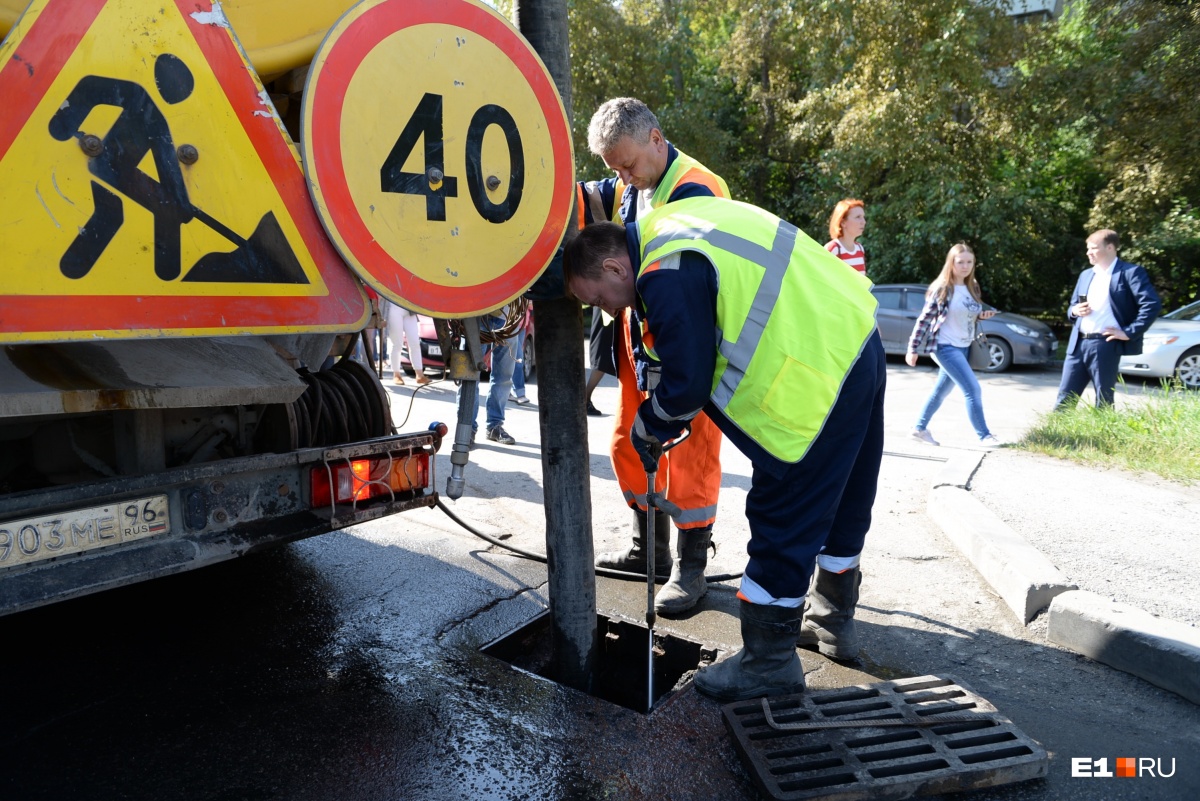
(437, 153)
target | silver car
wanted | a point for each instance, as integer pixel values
(1171, 347)
(1012, 338)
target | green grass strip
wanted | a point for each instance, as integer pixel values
(1159, 435)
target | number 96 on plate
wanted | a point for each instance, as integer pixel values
(35, 539)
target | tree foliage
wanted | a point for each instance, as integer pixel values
(1125, 75)
(952, 120)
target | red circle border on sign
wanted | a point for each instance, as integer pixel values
(342, 60)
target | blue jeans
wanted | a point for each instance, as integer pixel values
(956, 371)
(518, 379)
(503, 360)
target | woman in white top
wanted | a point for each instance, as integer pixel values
(944, 331)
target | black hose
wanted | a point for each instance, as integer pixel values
(537, 557)
(337, 407)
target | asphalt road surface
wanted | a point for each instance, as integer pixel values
(348, 666)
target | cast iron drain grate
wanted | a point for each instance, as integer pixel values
(956, 741)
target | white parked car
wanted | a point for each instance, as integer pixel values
(1170, 348)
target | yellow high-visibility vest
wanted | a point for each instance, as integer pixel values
(791, 319)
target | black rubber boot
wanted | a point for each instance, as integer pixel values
(687, 585)
(766, 665)
(829, 614)
(633, 558)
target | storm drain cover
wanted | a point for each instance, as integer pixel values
(896, 739)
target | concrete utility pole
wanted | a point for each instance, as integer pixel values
(561, 412)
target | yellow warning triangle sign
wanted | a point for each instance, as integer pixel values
(152, 183)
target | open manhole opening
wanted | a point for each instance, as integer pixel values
(621, 674)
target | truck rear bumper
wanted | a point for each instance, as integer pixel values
(217, 511)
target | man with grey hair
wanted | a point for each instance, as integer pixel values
(616, 119)
(651, 172)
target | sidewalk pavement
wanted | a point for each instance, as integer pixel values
(1108, 556)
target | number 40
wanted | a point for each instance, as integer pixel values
(426, 122)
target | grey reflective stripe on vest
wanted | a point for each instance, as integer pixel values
(595, 202)
(774, 263)
(668, 262)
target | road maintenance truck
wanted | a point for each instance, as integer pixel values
(183, 283)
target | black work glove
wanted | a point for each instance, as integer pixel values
(646, 444)
(649, 450)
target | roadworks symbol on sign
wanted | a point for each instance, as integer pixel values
(146, 162)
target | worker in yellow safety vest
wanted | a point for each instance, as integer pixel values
(756, 325)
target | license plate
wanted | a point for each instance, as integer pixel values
(36, 538)
(435, 350)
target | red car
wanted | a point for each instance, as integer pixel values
(431, 351)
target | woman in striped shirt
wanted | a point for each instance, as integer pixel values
(846, 226)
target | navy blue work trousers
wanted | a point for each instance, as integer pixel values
(825, 499)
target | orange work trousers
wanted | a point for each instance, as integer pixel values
(689, 474)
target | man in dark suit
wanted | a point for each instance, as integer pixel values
(1111, 307)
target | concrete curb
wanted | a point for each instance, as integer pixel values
(1163, 652)
(959, 470)
(1022, 576)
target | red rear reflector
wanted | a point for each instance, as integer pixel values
(363, 479)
